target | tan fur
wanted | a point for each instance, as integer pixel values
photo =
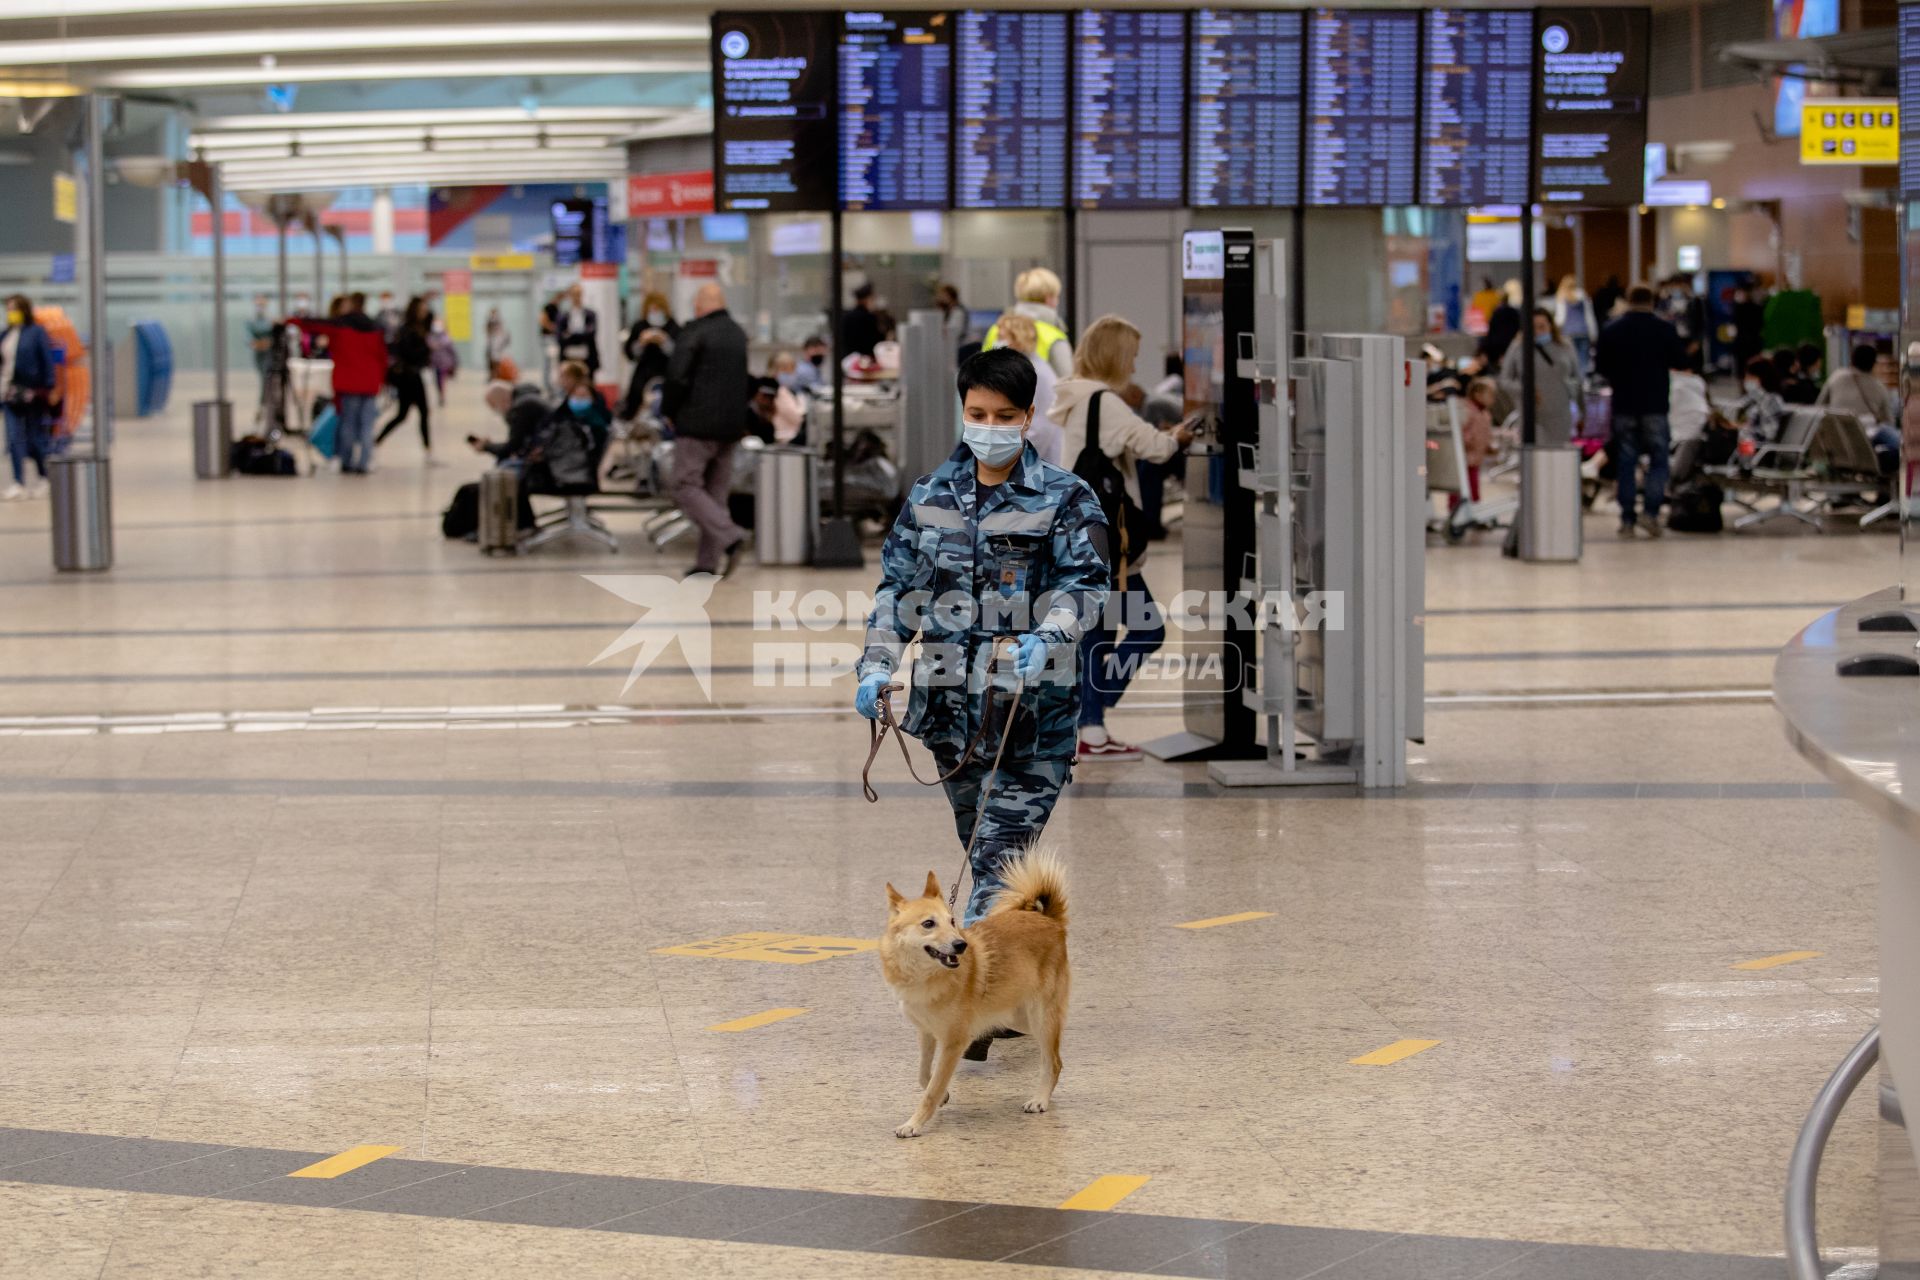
(1012, 973)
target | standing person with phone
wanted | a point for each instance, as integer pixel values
(1100, 431)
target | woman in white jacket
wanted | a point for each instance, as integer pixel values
(1573, 312)
(1102, 366)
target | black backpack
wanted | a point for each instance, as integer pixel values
(567, 449)
(1125, 524)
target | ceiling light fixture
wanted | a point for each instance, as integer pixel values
(195, 77)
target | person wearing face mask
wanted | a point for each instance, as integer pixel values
(649, 345)
(1092, 404)
(260, 331)
(1556, 379)
(1759, 410)
(28, 397)
(1023, 544)
(567, 448)
(811, 371)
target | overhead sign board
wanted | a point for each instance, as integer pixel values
(669, 195)
(1850, 131)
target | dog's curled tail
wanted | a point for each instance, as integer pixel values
(1034, 881)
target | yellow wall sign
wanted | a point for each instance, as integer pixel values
(501, 262)
(66, 198)
(1850, 131)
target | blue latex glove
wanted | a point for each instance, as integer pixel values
(1031, 658)
(867, 700)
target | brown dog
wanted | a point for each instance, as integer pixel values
(1009, 970)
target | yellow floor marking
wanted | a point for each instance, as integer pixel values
(1774, 962)
(1392, 1053)
(753, 1020)
(773, 948)
(346, 1162)
(1106, 1192)
(1211, 921)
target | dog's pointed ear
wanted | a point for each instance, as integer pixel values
(933, 885)
(894, 896)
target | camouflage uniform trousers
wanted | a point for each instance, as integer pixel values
(1024, 793)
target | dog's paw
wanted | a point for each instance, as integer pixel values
(1035, 1106)
(908, 1130)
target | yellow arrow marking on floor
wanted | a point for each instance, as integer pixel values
(753, 1020)
(1774, 962)
(1106, 1192)
(1392, 1053)
(1212, 921)
(346, 1162)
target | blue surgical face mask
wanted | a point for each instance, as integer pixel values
(579, 404)
(993, 446)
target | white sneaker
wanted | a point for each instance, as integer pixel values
(12, 493)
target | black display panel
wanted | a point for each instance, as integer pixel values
(896, 110)
(1590, 106)
(1245, 68)
(1010, 110)
(1129, 109)
(1363, 106)
(1910, 99)
(1476, 100)
(773, 132)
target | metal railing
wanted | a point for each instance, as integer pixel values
(1803, 1170)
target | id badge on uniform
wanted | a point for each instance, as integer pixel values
(1013, 577)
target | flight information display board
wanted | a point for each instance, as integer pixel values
(773, 85)
(1590, 106)
(1909, 39)
(1363, 106)
(896, 89)
(1476, 99)
(1246, 68)
(1129, 109)
(1010, 110)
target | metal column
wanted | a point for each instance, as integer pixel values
(82, 488)
(838, 546)
(213, 419)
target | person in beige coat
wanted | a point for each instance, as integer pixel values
(1102, 367)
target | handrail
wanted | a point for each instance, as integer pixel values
(1803, 1169)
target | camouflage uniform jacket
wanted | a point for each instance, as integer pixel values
(958, 571)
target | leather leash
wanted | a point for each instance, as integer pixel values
(881, 726)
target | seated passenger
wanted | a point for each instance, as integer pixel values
(1688, 408)
(1760, 410)
(565, 456)
(524, 410)
(789, 410)
(1794, 386)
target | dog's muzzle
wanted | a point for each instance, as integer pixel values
(950, 959)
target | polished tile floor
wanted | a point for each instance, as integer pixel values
(321, 833)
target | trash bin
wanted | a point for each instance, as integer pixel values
(82, 513)
(786, 506)
(212, 439)
(1549, 503)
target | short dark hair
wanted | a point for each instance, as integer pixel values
(1865, 356)
(1000, 369)
(1785, 363)
(1640, 296)
(1762, 369)
(862, 293)
(1811, 354)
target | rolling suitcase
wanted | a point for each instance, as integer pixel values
(500, 511)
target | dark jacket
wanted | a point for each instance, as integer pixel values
(1635, 355)
(582, 344)
(358, 347)
(525, 416)
(859, 331)
(1503, 326)
(33, 367)
(649, 361)
(707, 381)
(411, 353)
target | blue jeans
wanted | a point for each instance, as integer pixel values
(1637, 436)
(356, 415)
(1107, 666)
(27, 437)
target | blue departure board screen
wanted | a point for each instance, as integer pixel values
(1476, 107)
(1910, 99)
(1129, 109)
(773, 148)
(1245, 67)
(896, 87)
(1010, 110)
(1363, 100)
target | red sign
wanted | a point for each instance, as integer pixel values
(599, 271)
(664, 195)
(457, 281)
